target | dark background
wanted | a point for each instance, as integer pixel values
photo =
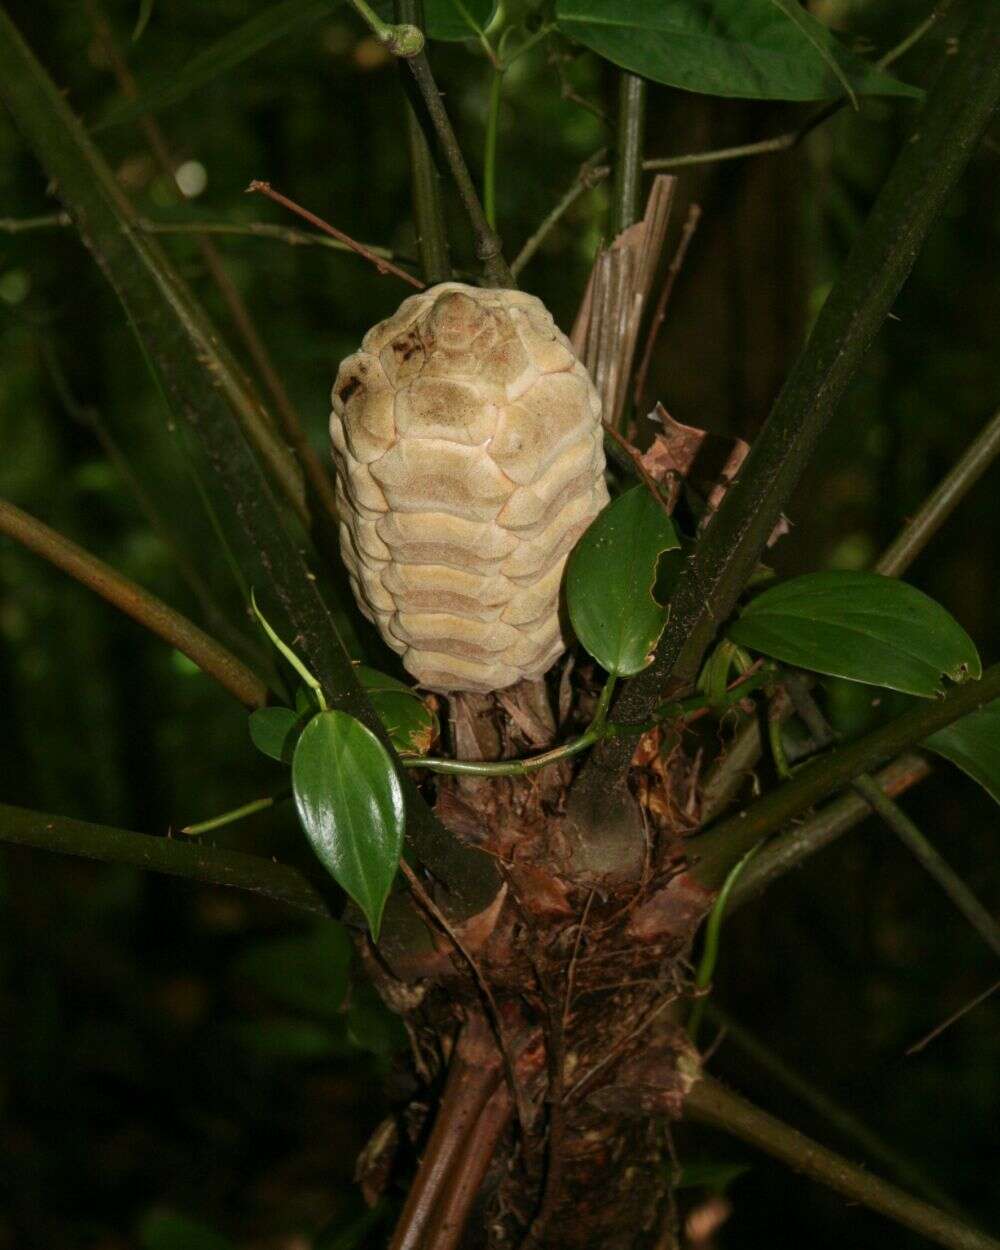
(166, 1050)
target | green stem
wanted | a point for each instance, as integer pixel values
(957, 111)
(425, 184)
(401, 40)
(176, 857)
(128, 597)
(237, 813)
(777, 742)
(718, 849)
(710, 1102)
(490, 149)
(946, 877)
(626, 200)
(488, 246)
(942, 502)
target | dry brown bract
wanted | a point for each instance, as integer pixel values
(467, 439)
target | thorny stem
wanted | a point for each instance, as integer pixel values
(942, 501)
(381, 264)
(716, 849)
(142, 606)
(597, 172)
(488, 246)
(425, 184)
(710, 1102)
(626, 198)
(843, 1122)
(957, 110)
(175, 857)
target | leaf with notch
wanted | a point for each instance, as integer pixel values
(973, 745)
(610, 578)
(862, 626)
(741, 48)
(350, 804)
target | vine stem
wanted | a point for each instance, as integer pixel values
(490, 148)
(710, 1102)
(142, 606)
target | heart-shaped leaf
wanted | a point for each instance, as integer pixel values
(973, 744)
(861, 626)
(274, 731)
(745, 48)
(411, 725)
(610, 577)
(350, 804)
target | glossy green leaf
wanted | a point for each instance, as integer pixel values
(973, 744)
(142, 21)
(237, 45)
(165, 1230)
(449, 19)
(745, 48)
(274, 732)
(350, 804)
(409, 722)
(610, 577)
(861, 626)
(307, 972)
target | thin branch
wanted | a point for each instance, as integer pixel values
(175, 857)
(626, 198)
(710, 1102)
(958, 109)
(933, 863)
(722, 845)
(942, 502)
(797, 844)
(843, 1122)
(425, 184)
(488, 246)
(591, 173)
(142, 606)
(955, 1016)
(381, 264)
(674, 268)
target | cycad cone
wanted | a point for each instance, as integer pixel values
(467, 439)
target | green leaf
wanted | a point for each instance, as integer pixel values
(973, 744)
(307, 972)
(446, 20)
(237, 45)
(409, 722)
(350, 804)
(745, 48)
(142, 21)
(164, 1230)
(610, 577)
(861, 626)
(708, 1174)
(816, 35)
(274, 732)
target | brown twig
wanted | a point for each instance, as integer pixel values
(381, 264)
(635, 455)
(674, 268)
(955, 1016)
(444, 1232)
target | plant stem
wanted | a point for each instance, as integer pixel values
(488, 246)
(490, 149)
(717, 849)
(942, 502)
(710, 1102)
(425, 184)
(590, 174)
(626, 200)
(128, 597)
(235, 814)
(957, 110)
(400, 40)
(946, 877)
(176, 857)
(842, 1121)
(797, 844)
(710, 949)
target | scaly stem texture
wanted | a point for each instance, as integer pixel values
(128, 597)
(957, 111)
(712, 1103)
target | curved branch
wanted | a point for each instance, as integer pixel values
(142, 606)
(710, 1102)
